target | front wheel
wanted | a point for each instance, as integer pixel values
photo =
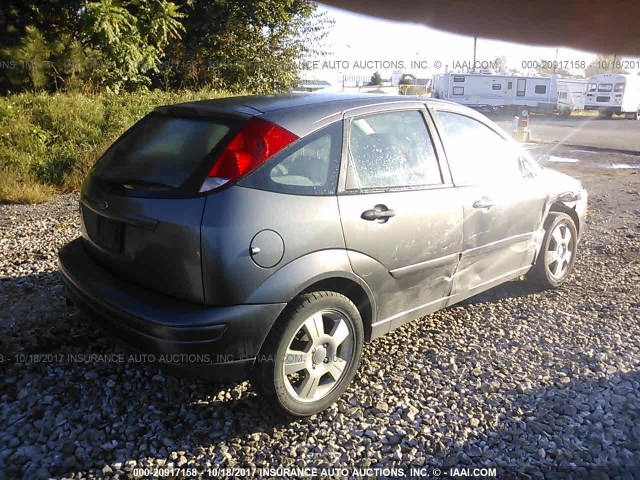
(312, 353)
(557, 253)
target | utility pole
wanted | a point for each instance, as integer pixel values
(475, 43)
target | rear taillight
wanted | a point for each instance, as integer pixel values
(251, 147)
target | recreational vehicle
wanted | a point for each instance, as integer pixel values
(572, 95)
(614, 93)
(536, 94)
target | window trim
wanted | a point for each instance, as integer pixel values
(543, 87)
(459, 92)
(432, 131)
(493, 87)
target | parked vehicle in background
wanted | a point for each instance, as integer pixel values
(272, 235)
(550, 94)
(614, 94)
(572, 95)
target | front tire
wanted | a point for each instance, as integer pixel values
(557, 253)
(312, 353)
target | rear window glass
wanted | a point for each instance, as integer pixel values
(160, 151)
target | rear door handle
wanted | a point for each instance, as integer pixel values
(379, 212)
(485, 203)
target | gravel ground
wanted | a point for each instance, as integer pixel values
(524, 380)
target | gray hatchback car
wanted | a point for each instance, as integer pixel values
(270, 236)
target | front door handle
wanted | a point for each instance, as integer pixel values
(485, 203)
(379, 212)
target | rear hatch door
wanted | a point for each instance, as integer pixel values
(140, 206)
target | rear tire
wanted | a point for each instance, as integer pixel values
(633, 116)
(311, 354)
(557, 253)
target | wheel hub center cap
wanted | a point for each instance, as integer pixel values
(319, 355)
(561, 250)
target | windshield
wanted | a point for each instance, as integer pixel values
(605, 87)
(592, 87)
(619, 87)
(160, 151)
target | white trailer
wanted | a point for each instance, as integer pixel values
(536, 94)
(614, 93)
(572, 94)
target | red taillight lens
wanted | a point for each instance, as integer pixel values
(251, 147)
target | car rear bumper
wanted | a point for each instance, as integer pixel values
(216, 343)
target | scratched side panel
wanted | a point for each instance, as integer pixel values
(409, 260)
(502, 239)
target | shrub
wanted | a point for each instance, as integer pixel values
(48, 143)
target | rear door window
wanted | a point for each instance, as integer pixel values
(161, 151)
(391, 150)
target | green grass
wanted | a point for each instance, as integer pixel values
(48, 143)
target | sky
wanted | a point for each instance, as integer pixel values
(359, 44)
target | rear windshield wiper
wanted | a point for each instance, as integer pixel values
(133, 184)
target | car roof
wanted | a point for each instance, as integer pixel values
(269, 103)
(300, 113)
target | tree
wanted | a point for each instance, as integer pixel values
(254, 46)
(130, 36)
(30, 60)
(500, 64)
(604, 64)
(376, 79)
(251, 46)
(70, 44)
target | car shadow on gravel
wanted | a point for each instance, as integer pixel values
(83, 410)
(586, 425)
(513, 289)
(72, 401)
